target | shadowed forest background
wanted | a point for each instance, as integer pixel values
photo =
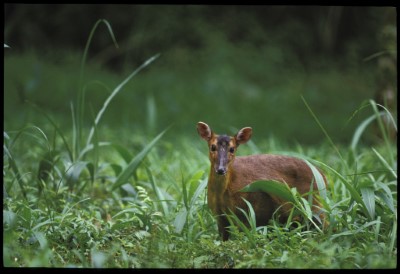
(227, 65)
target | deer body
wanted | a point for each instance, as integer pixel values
(229, 174)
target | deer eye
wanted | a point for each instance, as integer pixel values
(232, 150)
(213, 148)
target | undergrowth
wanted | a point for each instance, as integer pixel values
(73, 199)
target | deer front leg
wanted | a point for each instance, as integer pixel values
(223, 227)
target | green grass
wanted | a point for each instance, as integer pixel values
(135, 197)
(158, 216)
(148, 222)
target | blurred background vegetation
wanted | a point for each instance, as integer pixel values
(230, 66)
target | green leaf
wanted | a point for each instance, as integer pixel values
(386, 196)
(57, 129)
(123, 151)
(134, 164)
(318, 179)
(196, 177)
(368, 196)
(14, 168)
(115, 92)
(272, 187)
(159, 193)
(360, 129)
(322, 128)
(40, 236)
(184, 193)
(75, 170)
(383, 161)
(180, 220)
(47, 222)
(46, 164)
(353, 192)
(128, 210)
(354, 232)
(198, 191)
(306, 208)
(116, 168)
(9, 218)
(251, 217)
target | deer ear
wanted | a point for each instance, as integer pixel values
(204, 131)
(243, 135)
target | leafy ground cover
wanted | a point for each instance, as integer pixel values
(158, 217)
(78, 193)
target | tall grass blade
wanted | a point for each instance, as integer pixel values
(80, 99)
(92, 147)
(184, 192)
(133, 165)
(380, 122)
(182, 216)
(383, 131)
(322, 128)
(360, 129)
(88, 42)
(18, 175)
(74, 133)
(306, 208)
(14, 166)
(115, 92)
(44, 137)
(318, 179)
(57, 130)
(198, 191)
(393, 237)
(93, 166)
(158, 192)
(354, 232)
(234, 221)
(388, 114)
(383, 161)
(353, 192)
(251, 217)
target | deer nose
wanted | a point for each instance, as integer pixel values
(221, 171)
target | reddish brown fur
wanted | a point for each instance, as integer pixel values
(223, 196)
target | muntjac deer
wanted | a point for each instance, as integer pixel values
(229, 174)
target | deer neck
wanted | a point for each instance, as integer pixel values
(219, 184)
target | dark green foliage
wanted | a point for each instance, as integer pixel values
(110, 187)
(235, 72)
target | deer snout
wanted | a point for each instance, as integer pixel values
(221, 171)
(220, 167)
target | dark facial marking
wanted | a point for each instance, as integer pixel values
(223, 140)
(213, 147)
(223, 145)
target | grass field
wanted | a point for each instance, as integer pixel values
(80, 192)
(77, 216)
